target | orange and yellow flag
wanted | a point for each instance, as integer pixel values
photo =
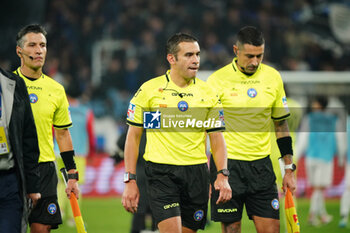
(292, 221)
(79, 223)
(77, 214)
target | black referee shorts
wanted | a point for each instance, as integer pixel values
(253, 184)
(47, 210)
(179, 191)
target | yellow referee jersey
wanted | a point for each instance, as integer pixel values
(176, 119)
(50, 108)
(250, 102)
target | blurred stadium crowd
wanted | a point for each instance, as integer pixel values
(299, 36)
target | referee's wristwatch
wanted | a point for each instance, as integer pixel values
(129, 176)
(291, 166)
(224, 171)
(73, 176)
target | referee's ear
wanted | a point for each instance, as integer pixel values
(171, 59)
(235, 49)
(18, 51)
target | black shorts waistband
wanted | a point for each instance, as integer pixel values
(172, 165)
(250, 161)
(49, 163)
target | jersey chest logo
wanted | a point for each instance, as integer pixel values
(33, 98)
(182, 106)
(252, 93)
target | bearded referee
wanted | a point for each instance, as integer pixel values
(50, 108)
(176, 162)
(253, 98)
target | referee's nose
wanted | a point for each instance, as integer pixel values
(196, 59)
(255, 61)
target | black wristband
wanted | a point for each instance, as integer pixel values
(73, 176)
(68, 159)
(285, 145)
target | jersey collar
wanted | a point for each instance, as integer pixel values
(19, 73)
(167, 76)
(236, 69)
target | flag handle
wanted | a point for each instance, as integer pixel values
(281, 163)
(75, 206)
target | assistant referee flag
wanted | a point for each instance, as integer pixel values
(292, 221)
(79, 222)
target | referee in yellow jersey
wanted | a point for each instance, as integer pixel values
(50, 109)
(176, 162)
(253, 98)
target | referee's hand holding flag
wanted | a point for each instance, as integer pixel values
(292, 220)
(75, 206)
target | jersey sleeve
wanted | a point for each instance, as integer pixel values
(214, 84)
(61, 118)
(136, 107)
(280, 110)
(216, 111)
(216, 115)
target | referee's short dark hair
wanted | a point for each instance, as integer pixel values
(35, 28)
(250, 35)
(173, 42)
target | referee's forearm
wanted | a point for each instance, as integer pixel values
(64, 140)
(218, 147)
(130, 157)
(131, 150)
(288, 159)
(281, 129)
(282, 134)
